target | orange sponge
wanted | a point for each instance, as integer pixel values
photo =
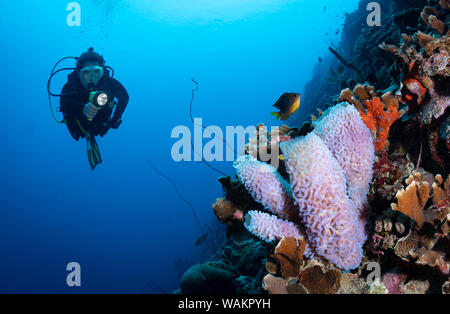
(379, 119)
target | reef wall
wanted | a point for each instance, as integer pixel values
(364, 183)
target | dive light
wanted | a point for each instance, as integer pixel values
(99, 99)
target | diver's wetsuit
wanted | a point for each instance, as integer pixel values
(72, 105)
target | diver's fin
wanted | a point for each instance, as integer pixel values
(93, 151)
(276, 114)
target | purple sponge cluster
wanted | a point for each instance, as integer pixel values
(330, 170)
(344, 133)
(266, 186)
(319, 186)
(269, 227)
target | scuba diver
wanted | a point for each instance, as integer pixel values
(92, 101)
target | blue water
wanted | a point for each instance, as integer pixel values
(122, 222)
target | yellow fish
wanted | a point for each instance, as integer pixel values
(288, 103)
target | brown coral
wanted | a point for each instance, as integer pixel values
(406, 38)
(434, 259)
(411, 201)
(352, 284)
(389, 100)
(415, 287)
(364, 92)
(434, 43)
(436, 24)
(346, 95)
(289, 254)
(296, 288)
(414, 245)
(407, 244)
(424, 39)
(278, 285)
(274, 285)
(395, 51)
(423, 248)
(225, 210)
(426, 12)
(441, 189)
(271, 267)
(318, 282)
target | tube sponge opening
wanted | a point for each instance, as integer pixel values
(266, 186)
(270, 228)
(344, 133)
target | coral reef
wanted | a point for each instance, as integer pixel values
(424, 82)
(311, 278)
(422, 245)
(325, 168)
(377, 113)
(411, 201)
(366, 182)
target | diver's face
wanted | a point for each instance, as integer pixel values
(90, 74)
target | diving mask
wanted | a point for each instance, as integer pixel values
(91, 74)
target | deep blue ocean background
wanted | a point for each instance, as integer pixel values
(122, 222)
